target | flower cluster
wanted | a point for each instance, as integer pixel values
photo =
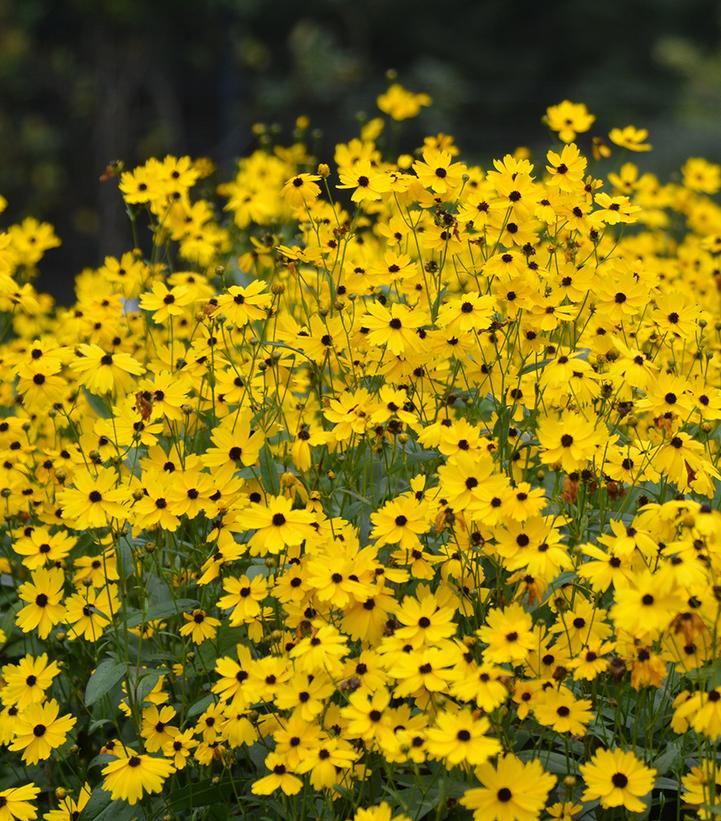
(376, 490)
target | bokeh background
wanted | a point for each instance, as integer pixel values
(86, 82)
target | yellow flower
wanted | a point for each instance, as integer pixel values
(618, 779)
(301, 190)
(39, 731)
(132, 775)
(569, 119)
(511, 791)
(631, 138)
(27, 681)
(15, 803)
(401, 104)
(701, 175)
(43, 594)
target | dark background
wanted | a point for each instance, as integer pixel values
(86, 82)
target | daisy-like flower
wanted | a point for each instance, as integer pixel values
(630, 138)
(278, 779)
(102, 372)
(508, 634)
(400, 521)
(164, 302)
(39, 731)
(569, 119)
(300, 190)
(16, 803)
(27, 681)
(94, 499)
(618, 779)
(277, 525)
(562, 712)
(133, 774)
(566, 168)
(199, 626)
(43, 594)
(394, 327)
(459, 738)
(89, 612)
(511, 791)
(438, 172)
(243, 304)
(70, 808)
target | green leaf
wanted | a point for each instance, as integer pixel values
(124, 554)
(145, 685)
(667, 758)
(269, 471)
(201, 794)
(98, 404)
(200, 705)
(162, 610)
(107, 674)
(101, 807)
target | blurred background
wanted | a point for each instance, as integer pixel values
(87, 82)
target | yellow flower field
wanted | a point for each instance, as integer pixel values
(369, 487)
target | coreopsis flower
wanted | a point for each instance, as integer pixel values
(562, 712)
(243, 304)
(369, 717)
(400, 103)
(41, 547)
(243, 598)
(460, 738)
(648, 604)
(438, 172)
(367, 182)
(39, 730)
(199, 626)
(618, 779)
(301, 190)
(156, 729)
(89, 612)
(702, 787)
(27, 681)
(43, 594)
(424, 620)
(568, 440)
(630, 138)
(395, 327)
(701, 175)
(508, 634)
(103, 372)
(179, 748)
(235, 440)
(400, 521)
(706, 718)
(569, 119)
(133, 774)
(566, 168)
(614, 210)
(164, 302)
(94, 500)
(511, 791)
(483, 683)
(279, 778)
(327, 761)
(323, 650)
(70, 808)
(277, 525)
(16, 803)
